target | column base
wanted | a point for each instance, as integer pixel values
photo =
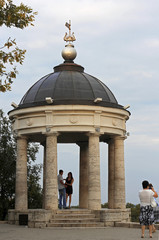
(36, 218)
(40, 218)
(111, 216)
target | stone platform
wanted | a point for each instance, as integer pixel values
(80, 218)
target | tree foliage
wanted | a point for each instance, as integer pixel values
(104, 205)
(34, 170)
(8, 170)
(34, 188)
(7, 166)
(135, 211)
(12, 16)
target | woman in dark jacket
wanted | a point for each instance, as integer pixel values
(69, 189)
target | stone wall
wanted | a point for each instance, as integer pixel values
(110, 216)
(38, 218)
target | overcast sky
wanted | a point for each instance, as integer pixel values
(117, 42)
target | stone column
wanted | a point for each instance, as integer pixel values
(83, 186)
(44, 173)
(21, 193)
(111, 175)
(51, 188)
(94, 189)
(119, 191)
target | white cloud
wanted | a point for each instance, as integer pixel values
(144, 140)
(140, 74)
(152, 43)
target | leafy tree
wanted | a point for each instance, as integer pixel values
(7, 166)
(34, 188)
(8, 170)
(12, 16)
(135, 211)
(104, 205)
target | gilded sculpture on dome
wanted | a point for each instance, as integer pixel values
(69, 37)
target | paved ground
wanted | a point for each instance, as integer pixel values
(12, 232)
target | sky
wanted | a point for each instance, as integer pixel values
(117, 41)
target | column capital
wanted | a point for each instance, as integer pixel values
(111, 139)
(94, 134)
(21, 137)
(52, 134)
(120, 138)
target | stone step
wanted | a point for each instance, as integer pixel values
(79, 220)
(73, 211)
(73, 216)
(76, 225)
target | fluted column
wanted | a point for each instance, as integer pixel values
(44, 173)
(119, 191)
(83, 186)
(51, 188)
(94, 190)
(111, 175)
(21, 194)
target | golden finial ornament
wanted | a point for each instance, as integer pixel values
(69, 53)
(69, 37)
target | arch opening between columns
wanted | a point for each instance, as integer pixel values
(89, 151)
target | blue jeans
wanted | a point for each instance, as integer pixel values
(62, 194)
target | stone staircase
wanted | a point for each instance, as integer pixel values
(74, 218)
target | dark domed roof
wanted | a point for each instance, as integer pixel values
(69, 85)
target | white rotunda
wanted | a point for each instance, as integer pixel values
(71, 106)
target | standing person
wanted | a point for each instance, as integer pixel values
(62, 189)
(155, 210)
(146, 210)
(69, 189)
